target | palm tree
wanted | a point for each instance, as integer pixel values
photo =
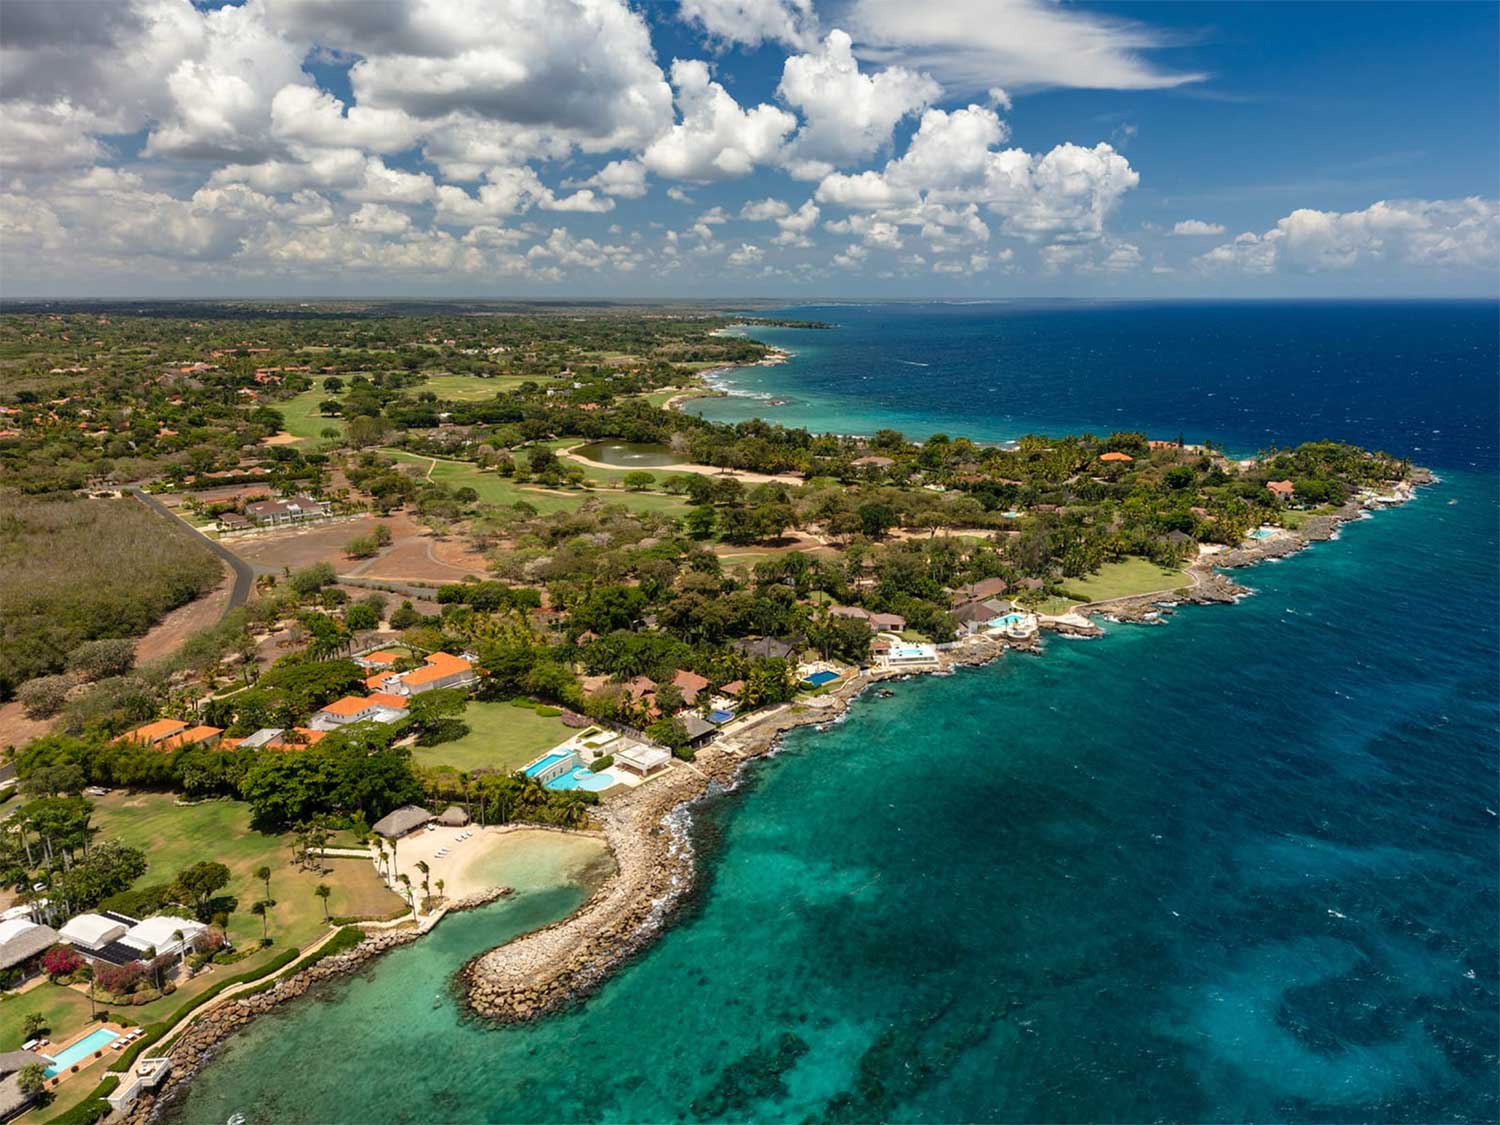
(440, 888)
(422, 867)
(323, 890)
(405, 881)
(261, 910)
(264, 875)
(393, 857)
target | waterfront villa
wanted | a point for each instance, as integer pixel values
(1283, 490)
(90, 933)
(904, 654)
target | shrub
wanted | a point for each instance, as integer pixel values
(601, 764)
(94, 660)
(361, 547)
(44, 697)
(60, 961)
(119, 980)
(547, 712)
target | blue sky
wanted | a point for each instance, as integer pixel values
(748, 147)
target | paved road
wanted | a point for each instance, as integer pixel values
(244, 576)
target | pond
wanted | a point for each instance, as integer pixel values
(629, 454)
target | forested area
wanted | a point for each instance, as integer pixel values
(75, 570)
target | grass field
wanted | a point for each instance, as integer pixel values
(1123, 579)
(471, 388)
(495, 489)
(501, 737)
(301, 418)
(174, 836)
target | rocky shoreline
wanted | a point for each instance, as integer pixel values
(648, 830)
(202, 1039)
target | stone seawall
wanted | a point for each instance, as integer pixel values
(647, 830)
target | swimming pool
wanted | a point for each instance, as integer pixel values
(545, 764)
(1262, 533)
(818, 679)
(78, 1052)
(582, 778)
(1007, 621)
(720, 716)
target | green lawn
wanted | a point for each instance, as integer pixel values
(495, 489)
(65, 1010)
(471, 388)
(174, 836)
(301, 418)
(501, 736)
(1124, 578)
(1293, 518)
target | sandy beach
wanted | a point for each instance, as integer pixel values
(516, 856)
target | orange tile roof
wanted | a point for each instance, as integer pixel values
(686, 679)
(382, 657)
(190, 736)
(1281, 487)
(388, 699)
(349, 705)
(377, 681)
(1116, 457)
(439, 665)
(152, 732)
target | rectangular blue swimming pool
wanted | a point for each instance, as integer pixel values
(545, 764)
(818, 679)
(80, 1051)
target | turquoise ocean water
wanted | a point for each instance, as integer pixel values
(1238, 868)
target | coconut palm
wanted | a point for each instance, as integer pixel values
(264, 875)
(323, 890)
(405, 881)
(261, 910)
(439, 884)
(422, 867)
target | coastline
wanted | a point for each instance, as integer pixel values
(201, 1039)
(648, 831)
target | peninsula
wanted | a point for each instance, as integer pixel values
(357, 586)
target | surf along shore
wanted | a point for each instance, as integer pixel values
(648, 831)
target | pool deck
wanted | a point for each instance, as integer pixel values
(53, 1050)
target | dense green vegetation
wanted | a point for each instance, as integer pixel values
(79, 570)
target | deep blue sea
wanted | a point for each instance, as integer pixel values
(1242, 867)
